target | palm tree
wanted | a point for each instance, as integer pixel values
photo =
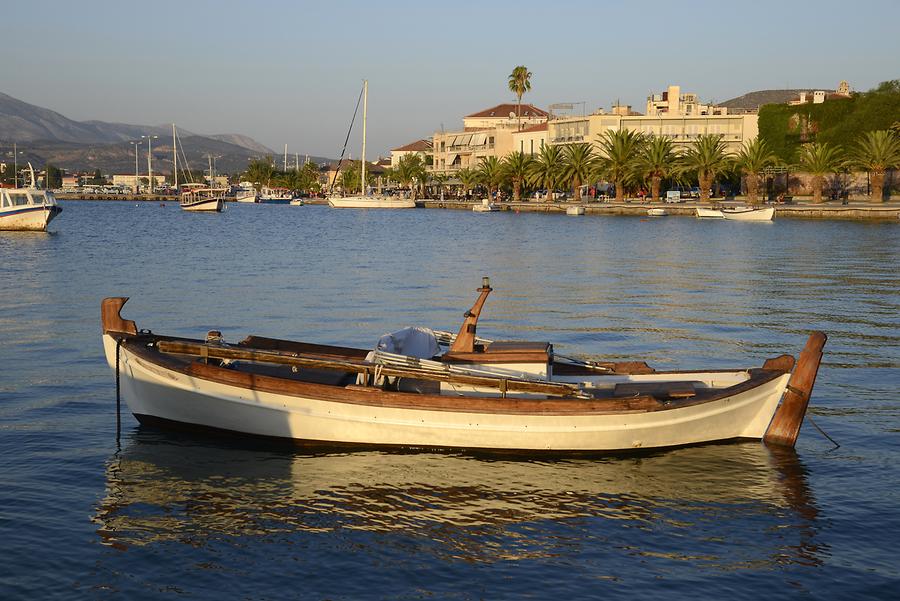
(708, 158)
(490, 173)
(877, 152)
(516, 166)
(468, 178)
(440, 179)
(751, 160)
(410, 169)
(578, 165)
(545, 169)
(260, 172)
(656, 160)
(819, 159)
(519, 82)
(619, 150)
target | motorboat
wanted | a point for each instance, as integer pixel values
(748, 213)
(574, 210)
(657, 212)
(425, 389)
(297, 202)
(27, 209)
(704, 213)
(486, 206)
(200, 197)
(247, 195)
(275, 195)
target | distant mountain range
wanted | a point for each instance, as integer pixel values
(44, 136)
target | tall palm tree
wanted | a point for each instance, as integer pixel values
(819, 159)
(708, 158)
(440, 179)
(545, 169)
(490, 173)
(468, 178)
(752, 160)
(876, 152)
(260, 172)
(519, 82)
(656, 160)
(578, 165)
(410, 169)
(619, 150)
(516, 166)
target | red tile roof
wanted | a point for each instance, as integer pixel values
(417, 146)
(538, 127)
(504, 110)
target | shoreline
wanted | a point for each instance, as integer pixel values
(835, 210)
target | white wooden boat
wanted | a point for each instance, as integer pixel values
(749, 213)
(245, 195)
(366, 201)
(297, 202)
(657, 212)
(486, 206)
(476, 395)
(27, 209)
(703, 213)
(199, 197)
(574, 210)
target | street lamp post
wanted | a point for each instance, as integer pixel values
(135, 187)
(149, 160)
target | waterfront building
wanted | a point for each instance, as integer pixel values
(673, 103)
(422, 147)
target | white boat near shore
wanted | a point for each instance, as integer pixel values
(509, 396)
(749, 213)
(27, 209)
(575, 210)
(486, 206)
(245, 195)
(657, 212)
(200, 197)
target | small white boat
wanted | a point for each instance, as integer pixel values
(275, 195)
(27, 209)
(200, 197)
(245, 195)
(574, 210)
(297, 202)
(486, 206)
(370, 202)
(478, 394)
(657, 212)
(703, 213)
(749, 213)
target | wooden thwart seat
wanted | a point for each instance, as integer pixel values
(659, 390)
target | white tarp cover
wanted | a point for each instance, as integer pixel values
(412, 342)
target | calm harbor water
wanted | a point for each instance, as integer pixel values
(171, 516)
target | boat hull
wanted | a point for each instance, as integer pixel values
(748, 214)
(32, 218)
(274, 201)
(657, 212)
(370, 202)
(208, 205)
(221, 399)
(709, 213)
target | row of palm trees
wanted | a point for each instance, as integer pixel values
(630, 160)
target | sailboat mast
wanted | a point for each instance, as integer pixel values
(175, 153)
(362, 186)
(285, 157)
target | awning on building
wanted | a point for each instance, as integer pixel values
(479, 139)
(451, 158)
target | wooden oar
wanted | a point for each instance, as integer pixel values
(785, 425)
(504, 385)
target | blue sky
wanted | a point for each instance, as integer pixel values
(290, 72)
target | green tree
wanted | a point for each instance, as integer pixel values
(708, 158)
(410, 169)
(544, 171)
(819, 159)
(619, 151)
(657, 159)
(260, 172)
(441, 180)
(876, 152)
(516, 167)
(349, 177)
(468, 178)
(751, 161)
(54, 177)
(490, 173)
(578, 165)
(97, 179)
(519, 82)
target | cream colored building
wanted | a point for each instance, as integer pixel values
(673, 103)
(422, 147)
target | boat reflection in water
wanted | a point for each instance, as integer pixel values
(163, 489)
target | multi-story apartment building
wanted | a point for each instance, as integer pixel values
(673, 103)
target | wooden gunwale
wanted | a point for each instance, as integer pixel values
(370, 396)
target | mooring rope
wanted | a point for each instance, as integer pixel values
(822, 432)
(118, 394)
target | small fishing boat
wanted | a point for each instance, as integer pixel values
(297, 202)
(657, 212)
(27, 209)
(486, 206)
(247, 195)
(749, 213)
(703, 213)
(477, 394)
(574, 210)
(200, 197)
